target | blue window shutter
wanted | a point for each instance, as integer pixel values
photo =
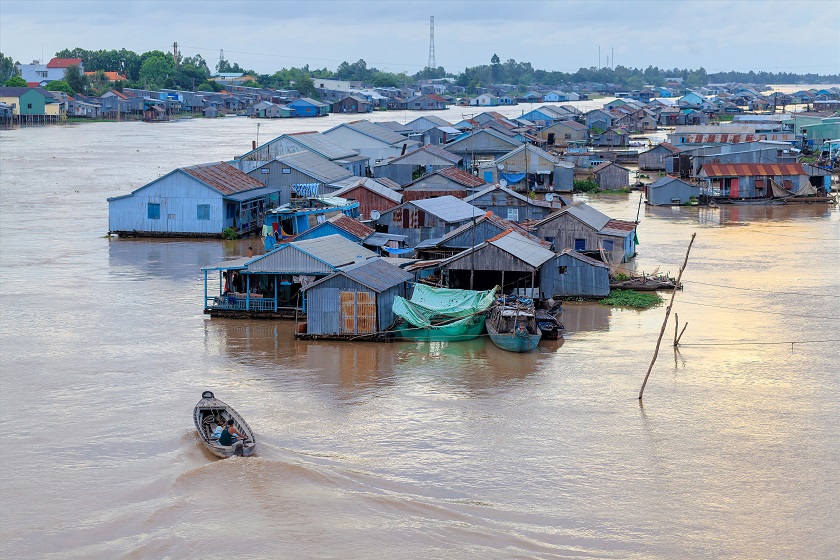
(580, 244)
(154, 211)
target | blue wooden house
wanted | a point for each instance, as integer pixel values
(306, 107)
(340, 224)
(571, 274)
(268, 285)
(357, 300)
(195, 201)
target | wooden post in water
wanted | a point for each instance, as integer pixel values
(667, 314)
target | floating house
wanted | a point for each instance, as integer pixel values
(654, 159)
(584, 229)
(304, 141)
(671, 191)
(305, 212)
(432, 218)
(268, 286)
(610, 176)
(370, 193)
(339, 224)
(473, 233)
(529, 168)
(750, 180)
(512, 205)
(447, 181)
(509, 260)
(564, 133)
(300, 168)
(406, 168)
(572, 274)
(372, 140)
(306, 107)
(355, 301)
(481, 146)
(195, 201)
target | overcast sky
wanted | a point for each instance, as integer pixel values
(793, 36)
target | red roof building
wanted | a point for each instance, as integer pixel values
(64, 62)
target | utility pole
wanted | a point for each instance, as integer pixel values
(432, 63)
(599, 57)
(175, 52)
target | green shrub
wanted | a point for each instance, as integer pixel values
(629, 298)
(586, 186)
(229, 233)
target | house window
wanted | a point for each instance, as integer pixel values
(265, 171)
(549, 239)
(513, 214)
(203, 211)
(561, 269)
(608, 245)
(286, 171)
(580, 244)
(153, 211)
(29, 105)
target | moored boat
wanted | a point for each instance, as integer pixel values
(210, 414)
(512, 326)
(549, 326)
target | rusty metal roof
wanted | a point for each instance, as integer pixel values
(351, 226)
(223, 177)
(460, 176)
(752, 169)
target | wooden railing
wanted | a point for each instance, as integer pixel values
(239, 303)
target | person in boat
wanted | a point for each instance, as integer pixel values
(521, 329)
(229, 434)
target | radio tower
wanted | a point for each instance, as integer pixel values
(221, 56)
(432, 42)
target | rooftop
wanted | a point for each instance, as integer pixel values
(223, 177)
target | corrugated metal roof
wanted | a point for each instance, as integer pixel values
(522, 248)
(379, 132)
(583, 212)
(436, 121)
(433, 151)
(461, 177)
(583, 258)
(321, 145)
(368, 183)
(378, 239)
(752, 169)
(246, 195)
(348, 224)
(334, 250)
(230, 264)
(377, 274)
(500, 222)
(530, 148)
(320, 168)
(223, 177)
(448, 208)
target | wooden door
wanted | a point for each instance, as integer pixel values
(733, 188)
(358, 312)
(347, 322)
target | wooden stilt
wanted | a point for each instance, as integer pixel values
(667, 314)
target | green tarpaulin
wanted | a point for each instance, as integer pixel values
(442, 313)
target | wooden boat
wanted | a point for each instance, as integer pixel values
(210, 413)
(549, 326)
(513, 327)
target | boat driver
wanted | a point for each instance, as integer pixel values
(229, 434)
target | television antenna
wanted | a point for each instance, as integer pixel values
(375, 215)
(503, 183)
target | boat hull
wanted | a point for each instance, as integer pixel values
(514, 342)
(210, 412)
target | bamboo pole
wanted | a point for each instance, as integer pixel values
(677, 343)
(667, 314)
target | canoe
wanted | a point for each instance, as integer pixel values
(209, 413)
(513, 329)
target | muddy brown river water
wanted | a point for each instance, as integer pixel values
(407, 450)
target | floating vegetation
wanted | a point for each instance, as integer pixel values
(629, 298)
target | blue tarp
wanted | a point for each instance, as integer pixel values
(398, 251)
(512, 178)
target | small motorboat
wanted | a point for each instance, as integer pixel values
(512, 326)
(548, 324)
(211, 416)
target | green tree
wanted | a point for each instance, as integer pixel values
(75, 78)
(305, 85)
(7, 68)
(156, 70)
(60, 85)
(16, 81)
